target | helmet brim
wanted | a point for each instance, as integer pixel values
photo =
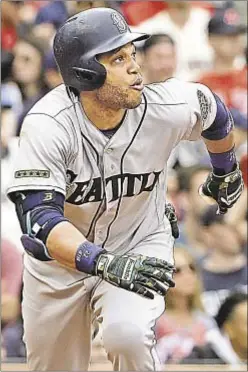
(119, 41)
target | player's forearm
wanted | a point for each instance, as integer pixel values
(62, 243)
(222, 154)
(222, 145)
(219, 139)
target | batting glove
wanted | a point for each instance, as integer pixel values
(225, 189)
(172, 217)
(139, 274)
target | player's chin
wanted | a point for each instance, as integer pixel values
(134, 99)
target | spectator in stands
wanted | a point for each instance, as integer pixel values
(159, 58)
(225, 267)
(11, 101)
(226, 37)
(226, 344)
(52, 75)
(238, 216)
(83, 5)
(48, 19)
(184, 323)
(11, 106)
(225, 79)
(54, 13)
(11, 282)
(28, 72)
(193, 205)
(187, 26)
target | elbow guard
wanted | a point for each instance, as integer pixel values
(222, 125)
(38, 212)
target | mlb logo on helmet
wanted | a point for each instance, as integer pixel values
(119, 22)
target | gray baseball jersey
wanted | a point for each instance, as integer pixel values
(115, 195)
(114, 188)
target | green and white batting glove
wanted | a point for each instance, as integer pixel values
(136, 273)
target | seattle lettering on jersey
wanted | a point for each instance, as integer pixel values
(120, 185)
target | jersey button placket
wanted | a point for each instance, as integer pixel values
(108, 166)
(108, 150)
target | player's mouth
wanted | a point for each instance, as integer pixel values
(138, 84)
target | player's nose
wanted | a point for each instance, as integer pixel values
(134, 67)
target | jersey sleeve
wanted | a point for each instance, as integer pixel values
(202, 106)
(43, 155)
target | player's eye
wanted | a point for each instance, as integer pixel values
(119, 59)
(134, 56)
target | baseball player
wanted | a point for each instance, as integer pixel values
(89, 189)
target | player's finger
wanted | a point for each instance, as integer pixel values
(158, 263)
(175, 229)
(141, 290)
(222, 205)
(158, 274)
(153, 284)
(221, 210)
(205, 196)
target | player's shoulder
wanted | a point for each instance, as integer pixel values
(53, 113)
(173, 92)
(53, 103)
(169, 92)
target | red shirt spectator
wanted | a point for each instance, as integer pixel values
(225, 34)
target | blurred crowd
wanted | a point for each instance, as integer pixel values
(206, 313)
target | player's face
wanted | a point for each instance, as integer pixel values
(123, 86)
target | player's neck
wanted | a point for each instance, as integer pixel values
(101, 116)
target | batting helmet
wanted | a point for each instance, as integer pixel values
(82, 38)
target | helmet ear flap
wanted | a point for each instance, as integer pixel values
(83, 74)
(93, 75)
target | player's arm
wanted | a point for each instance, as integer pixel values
(224, 184)
(48, 235)
(38, 190)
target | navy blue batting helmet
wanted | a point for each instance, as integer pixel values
(82, 38)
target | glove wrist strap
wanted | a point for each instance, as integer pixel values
(86, 257)
(224, 162)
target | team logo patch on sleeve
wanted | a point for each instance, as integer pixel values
(37, 173)
(205, 106)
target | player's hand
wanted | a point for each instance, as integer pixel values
(136, 273)
(225, 190)
(172, 217)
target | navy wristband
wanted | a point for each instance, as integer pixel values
(86, 255)
(223, 162)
